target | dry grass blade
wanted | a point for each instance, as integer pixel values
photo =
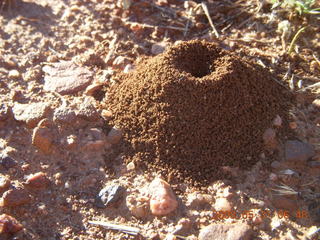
(206, 12)
(126, 229)
(285, 190)
(295, 38)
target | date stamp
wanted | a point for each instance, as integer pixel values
(262, 213)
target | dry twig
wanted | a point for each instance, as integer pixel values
(122, 228)
(206, 12)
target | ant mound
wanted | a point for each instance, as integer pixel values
(190, 111)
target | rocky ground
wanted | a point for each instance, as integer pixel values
(61, 172)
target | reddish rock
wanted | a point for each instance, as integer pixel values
(15, 197)
(38, 180)
(4, 183)
(283, 203)
(239, 231)
(9, 225)
(297, 151)
(66, 77)
(114, 135)
(42, 138)
(30, 113)
(163, 200)
(270, 139)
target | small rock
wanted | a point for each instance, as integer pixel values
(9, 225)
(197, 200)
(222, 204)
(283, 203)
(270, 139)
(4, 111)
(298, 151)
(14, 74)
(316, 103)
(293, 125)
(64, 115)
(15, 197)
(87, 110)
(128, 68)
(109, 195)
(38, 180)
(138, 206)
(184, 225)
(71, 141)
(131, 166)
(106, 114)
(66, 77)
(158, 48)
(277, 122)
(120, 62)
(30, 113)
(92, 89)
(4, 183)
(42, 138)
(273, 177)
(114, 136)
(239, 231)
(7, 162)
(314, 210)
(163, 200)
(97, 145)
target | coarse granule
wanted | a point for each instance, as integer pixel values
(194, 109)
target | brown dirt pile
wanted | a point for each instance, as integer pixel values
(194, 109)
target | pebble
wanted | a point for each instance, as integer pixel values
(183, 227)
(106, 114)
(277, 122)
(15, 197)
(109, 195)
(9, 225)
(138, 206)
(4, 183)
(283, 203)
(42, 138)
(14, 74)
(92, 89)
(64, 115)
(66, 77)
(87, 110)
(222, 204)
(114, 136)
(120, 62)
(131, 166)
(38, 180)
(239, 231)
(158, 48)
(7, 162)
(30, 113)
(293, 125)
(4, 111)
(316, 103)
(297, 151)
(163, 200)
(270, 139)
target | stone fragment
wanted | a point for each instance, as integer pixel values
(7, 162)
(223, 204)
(239, 231)
(270, 139)
(297, 151)
(9, 225)
(158, 48)
(14, 74)
(30, 113)
(42, 138)
(283, 203)
(316, 103)
(87, 110)
(4, 111)
(66, 77)
(15, 197)
(183, 227)
(38, 180)
(114, 136)
(277, 122)
(163, 200)
(120, 62)
(138, 206)
(64, 115)
(109, 195)
(4, 183)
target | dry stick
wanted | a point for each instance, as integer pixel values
(311, 86)
(188, 22)
(295, 38)
(122, 228)
(206, 12)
